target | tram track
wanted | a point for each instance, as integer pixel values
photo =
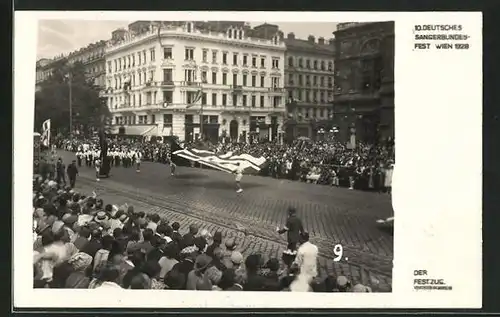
(244, 225)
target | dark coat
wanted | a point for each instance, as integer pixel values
(255, 283)
(72, 170)
(295, 229)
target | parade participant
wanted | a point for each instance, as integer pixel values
(117, 157)
(88, 158)
(72, 172)
(97, 168)
(172, 165)
(138, 157)
(293, 228)
(79, 155)
(239, 175)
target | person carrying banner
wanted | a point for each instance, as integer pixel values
(138, 157)
(172, 165)
(239, 175)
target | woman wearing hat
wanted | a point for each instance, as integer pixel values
(197, 279)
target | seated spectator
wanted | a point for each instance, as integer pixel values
(78, 278)
(254, 281)
(109, 276)
(272, 282)
(168, 260)
(197, 279)
(217, 241)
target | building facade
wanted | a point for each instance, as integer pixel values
(195, 79)
(92, 57)
(309, 77)
(364, 81)
(45, 67)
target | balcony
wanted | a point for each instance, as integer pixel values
(167, 83)
(190, 84)
(237, 89)
(277, 90)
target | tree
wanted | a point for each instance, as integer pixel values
(52, 101)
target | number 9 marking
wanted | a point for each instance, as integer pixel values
(338, 250)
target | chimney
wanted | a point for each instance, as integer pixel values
(310, 39)
(321, 41)
(332, 41)
(290, 36)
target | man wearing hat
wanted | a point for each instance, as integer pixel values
(72, 171)
(60, 172)
(293, 228)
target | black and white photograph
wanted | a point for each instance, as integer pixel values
(178, 152)
(214, 155)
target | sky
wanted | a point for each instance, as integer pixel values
(57, 37)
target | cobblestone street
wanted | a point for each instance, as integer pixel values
(207, 197)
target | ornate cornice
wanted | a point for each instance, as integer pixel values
(182, 36)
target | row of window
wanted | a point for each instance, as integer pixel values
(315, 64)
(307, 95)
(308, 80)
(236, 100)
(188, 118)
(314, 113)
(142, 78)
(141, 58)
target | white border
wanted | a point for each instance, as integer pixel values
(437, 188)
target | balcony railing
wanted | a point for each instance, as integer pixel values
(237, 88)
(190, 84)
(276, 89)
(167, 83)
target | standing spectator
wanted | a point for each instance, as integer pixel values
(307, 257)
(72, 171)
(293, 228)
(60, 179)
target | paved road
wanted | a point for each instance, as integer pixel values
(331, 215)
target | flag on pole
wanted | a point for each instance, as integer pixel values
(227, 162)
(45, 138)
(196, 98)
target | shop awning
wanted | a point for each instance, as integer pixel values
(152, 130)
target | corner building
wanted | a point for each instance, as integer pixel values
(156, 70)
(364, 81)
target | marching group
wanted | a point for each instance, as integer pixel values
(81, 241)
(366, 167)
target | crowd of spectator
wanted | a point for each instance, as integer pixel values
(81, 241)
(366, 167)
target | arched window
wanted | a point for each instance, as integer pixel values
(300, 62)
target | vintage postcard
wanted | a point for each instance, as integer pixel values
(261, 152)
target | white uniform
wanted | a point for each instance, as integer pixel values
(239, 174)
